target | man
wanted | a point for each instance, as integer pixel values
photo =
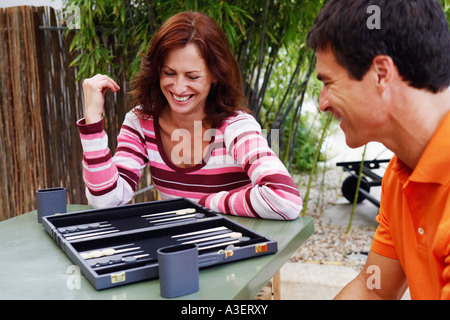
(385, 68)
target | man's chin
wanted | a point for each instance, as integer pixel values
(353, 142)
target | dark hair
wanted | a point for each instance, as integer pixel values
(414, 33)
(226, 95)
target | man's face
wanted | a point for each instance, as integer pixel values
(351, 101)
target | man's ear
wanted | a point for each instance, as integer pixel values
(385, 71)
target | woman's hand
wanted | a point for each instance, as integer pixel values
(94, 90)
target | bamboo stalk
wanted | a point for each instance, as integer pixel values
(316, 157)
(355, 200)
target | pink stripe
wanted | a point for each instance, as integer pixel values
(93, 136)
(99, 181)
(99, 165)
(129, 156)
(250, 167)
(190, 195)
(96, 154)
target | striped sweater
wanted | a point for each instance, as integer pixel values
(239, 175)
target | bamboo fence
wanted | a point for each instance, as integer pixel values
(40, 104)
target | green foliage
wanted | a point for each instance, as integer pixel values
(446, 6)
(114, 28)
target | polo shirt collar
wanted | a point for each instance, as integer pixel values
(434, 164)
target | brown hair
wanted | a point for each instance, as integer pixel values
(226, 95)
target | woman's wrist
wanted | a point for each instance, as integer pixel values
(92, 118)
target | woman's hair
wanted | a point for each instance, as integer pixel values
(226, 94)
(414, 33)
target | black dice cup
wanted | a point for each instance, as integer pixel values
(178, 270)
(50, 201)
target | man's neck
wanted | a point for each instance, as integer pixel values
(415, 120)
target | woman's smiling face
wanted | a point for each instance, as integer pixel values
(185, 80)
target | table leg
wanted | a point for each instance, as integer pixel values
(276, 286)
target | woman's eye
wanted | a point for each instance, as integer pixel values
(193, 78)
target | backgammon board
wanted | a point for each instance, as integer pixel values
(118, 246)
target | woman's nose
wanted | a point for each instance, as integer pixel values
(179, 85)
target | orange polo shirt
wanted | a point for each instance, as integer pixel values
(414, 218)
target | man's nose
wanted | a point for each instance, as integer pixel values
(324, 104)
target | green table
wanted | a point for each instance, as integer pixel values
(32, 266)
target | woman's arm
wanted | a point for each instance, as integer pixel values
(110, 181)
(273, 193)
(94, 90)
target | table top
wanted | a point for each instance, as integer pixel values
(32, 266)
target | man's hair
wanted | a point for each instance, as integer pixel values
(414, 33)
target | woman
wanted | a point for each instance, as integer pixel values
(190, 124)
